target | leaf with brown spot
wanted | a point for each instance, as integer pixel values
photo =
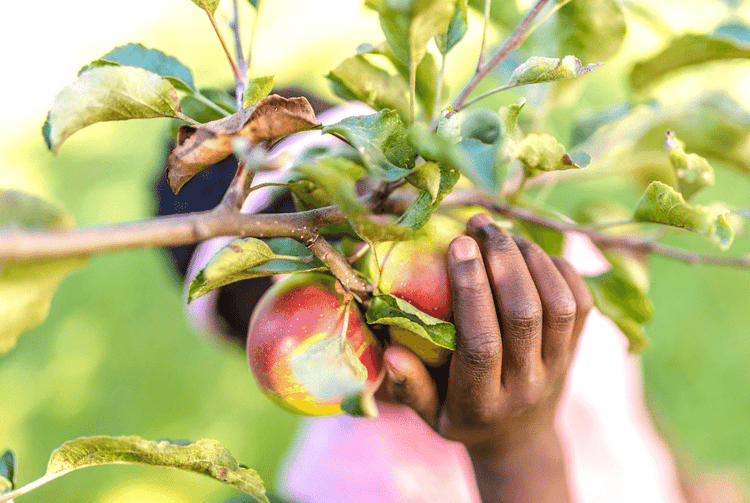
(201, 146)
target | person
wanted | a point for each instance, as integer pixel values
(540, 401)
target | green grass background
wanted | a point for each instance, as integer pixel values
(116, 357)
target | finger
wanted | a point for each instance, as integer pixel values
(409, 383)
(475, 374)
(581, 293)
(558, 303)
(517, 299)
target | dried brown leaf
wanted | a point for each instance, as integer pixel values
(201, 146)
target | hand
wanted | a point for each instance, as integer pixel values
(518, 315)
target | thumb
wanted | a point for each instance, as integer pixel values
(408, 383)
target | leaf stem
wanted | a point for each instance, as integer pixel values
(185, 118)
(237, 73)
(253, 30)
(412, 88)
(512, 42)
(7, 497)
(210, 104)
(482, 48)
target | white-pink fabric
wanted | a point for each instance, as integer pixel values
(614, 454)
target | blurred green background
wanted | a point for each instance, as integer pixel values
(116, 356)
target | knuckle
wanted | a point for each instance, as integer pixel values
(562, 311)
(484, 350)
(524, 321)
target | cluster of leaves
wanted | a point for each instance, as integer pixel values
(413, 142)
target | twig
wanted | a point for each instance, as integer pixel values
(633, 243)
(234, 24)
(514, 40)
(235, 68)
(239, 187)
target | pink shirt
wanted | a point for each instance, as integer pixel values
(613, 451)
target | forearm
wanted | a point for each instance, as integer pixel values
(531, 472)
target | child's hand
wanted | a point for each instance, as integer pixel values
(518, 314)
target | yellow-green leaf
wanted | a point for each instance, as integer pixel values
(257, 89)
(538, 69)
(542, 152)
(205, 457)
(390, 310)
(211, 5)
(693, 172)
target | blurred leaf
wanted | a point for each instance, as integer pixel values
(457, 28)
(27, 287)
(736, 30)
(389, 310)
(542, 152)
(693, 172)
(329, 368)
(228, 265)
(152, 60)
(689, 50)
(409, 25)
(548, 239)
(197, 109)
(623, 302)
(201, 146)
(593, 30)
(257, 89)
(430, 197)
(630, 265)
(379, 228)
(108, 93)
(357, 78)
(470, 157)
(538, 69)
(360, 405)
(600, 211)
(8, 464)
(509, 120)
(254, 3)
(212, 5)
(664, 205)
(337, 177)
(381, 141)
(426, 178)
(205, 457)
(586, 125)
(482, 125)
(502, 12)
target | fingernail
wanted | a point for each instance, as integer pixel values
(464, 248)
(393, 373)
(480, 220)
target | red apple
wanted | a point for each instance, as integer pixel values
(416, 271)
(308, 349)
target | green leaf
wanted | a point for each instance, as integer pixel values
(254, 3)
(337, 177)
(551, 241)
(8, 464)
(457, 28)
(663, 205)
(409, 25)
(229, 265)
(593, 30)
(211, 5)
(601, 211)
(257, 89)
(623, 302)
(205, 457)
(542, 152)
(359, 79)
(538, 69)
(152, 60)
(27, 287)
(470, 157)
(196, 107)
(109, 93)
(291, 257)
(431, 195)
(686, 51)
(390, 310)
(381, 141)
(502, 12)
(693, 172)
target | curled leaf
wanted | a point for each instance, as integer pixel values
(198, 147)
(205, 457)
(108, 93)
(594, 30)
(663, 205)
(538, 69)
(693, 172)
(542, 152)
(457, 28)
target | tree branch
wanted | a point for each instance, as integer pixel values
(633, 243)
(513, 41)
